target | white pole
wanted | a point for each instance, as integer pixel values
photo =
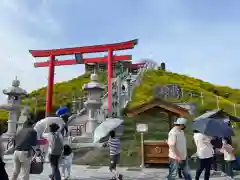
(182, 93)
(202, 98)
(234, 108)
(217, 102)
(142, 150)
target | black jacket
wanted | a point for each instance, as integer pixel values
(217, 143)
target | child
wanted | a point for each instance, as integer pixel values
(114, 148)
(66, 162)
(229, 158)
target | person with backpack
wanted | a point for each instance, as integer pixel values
(63, 113)
(55, 149)
(25, 141)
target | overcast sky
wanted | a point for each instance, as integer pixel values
(197, 38)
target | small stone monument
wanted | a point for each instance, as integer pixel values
(23, 117)
(13, 106)
(93, 103)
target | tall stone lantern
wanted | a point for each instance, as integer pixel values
(93, 103)
(13, 106)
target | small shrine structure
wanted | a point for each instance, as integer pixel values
(171, 110)
(156, 151)
(13, 106)
(219, 114)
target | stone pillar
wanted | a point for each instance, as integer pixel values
(92, 122)
(119, 96)
(12, 123)
(128, 88)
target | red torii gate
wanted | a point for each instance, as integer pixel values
(84, 61)
(78, 52)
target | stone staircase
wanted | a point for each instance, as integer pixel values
(131, 81)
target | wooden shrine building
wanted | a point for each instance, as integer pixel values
(171, 110)
(156, 151)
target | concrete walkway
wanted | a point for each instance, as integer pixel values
(102, 173)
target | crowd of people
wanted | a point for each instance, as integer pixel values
(207, 150)
(28, 158)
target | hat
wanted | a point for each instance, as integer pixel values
(180, 121)
(61, 111)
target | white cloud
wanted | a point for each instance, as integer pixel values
(16, 20)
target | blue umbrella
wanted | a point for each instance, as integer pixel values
(61, 111)
(212, 127)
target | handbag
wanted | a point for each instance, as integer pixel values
(36, 166)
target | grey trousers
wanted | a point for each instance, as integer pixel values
(22, 163)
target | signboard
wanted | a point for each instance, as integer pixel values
(168, 91)
(79, 58)
(142, 128)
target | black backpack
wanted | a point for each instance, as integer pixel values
(57, 145)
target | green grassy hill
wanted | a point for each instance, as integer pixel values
(130, 148)
(227, 96)
(64, 92)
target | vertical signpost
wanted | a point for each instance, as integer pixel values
(142, 128)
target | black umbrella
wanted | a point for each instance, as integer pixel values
(212, 127)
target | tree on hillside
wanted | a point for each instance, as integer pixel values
(151, 63)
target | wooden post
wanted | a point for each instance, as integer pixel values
(202, 98)
(170, 117)
(218, 102)
(234, 108)
(141, 128)
(142, 150)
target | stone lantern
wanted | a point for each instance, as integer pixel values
(93, 104)
(13, 106)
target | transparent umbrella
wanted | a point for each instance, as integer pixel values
(105, 127)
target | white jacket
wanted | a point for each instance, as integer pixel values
(42, 126)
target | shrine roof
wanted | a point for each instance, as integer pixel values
(14, 91)
(158, 102)
(218, 113)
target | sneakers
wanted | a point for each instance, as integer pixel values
(213, 173)
(120, 177)
(229, 178)
(223, 174)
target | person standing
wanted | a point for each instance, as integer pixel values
(178, 150)
(114, 149)
(229, 158)
(25, 142)
(205, 153)
(217, 157)
(3, 173)
(63, 113)
(66, 162)
(55, 149)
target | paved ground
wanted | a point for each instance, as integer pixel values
(102, 173)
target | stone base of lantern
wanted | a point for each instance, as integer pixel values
(6, 136)
(84, 141)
